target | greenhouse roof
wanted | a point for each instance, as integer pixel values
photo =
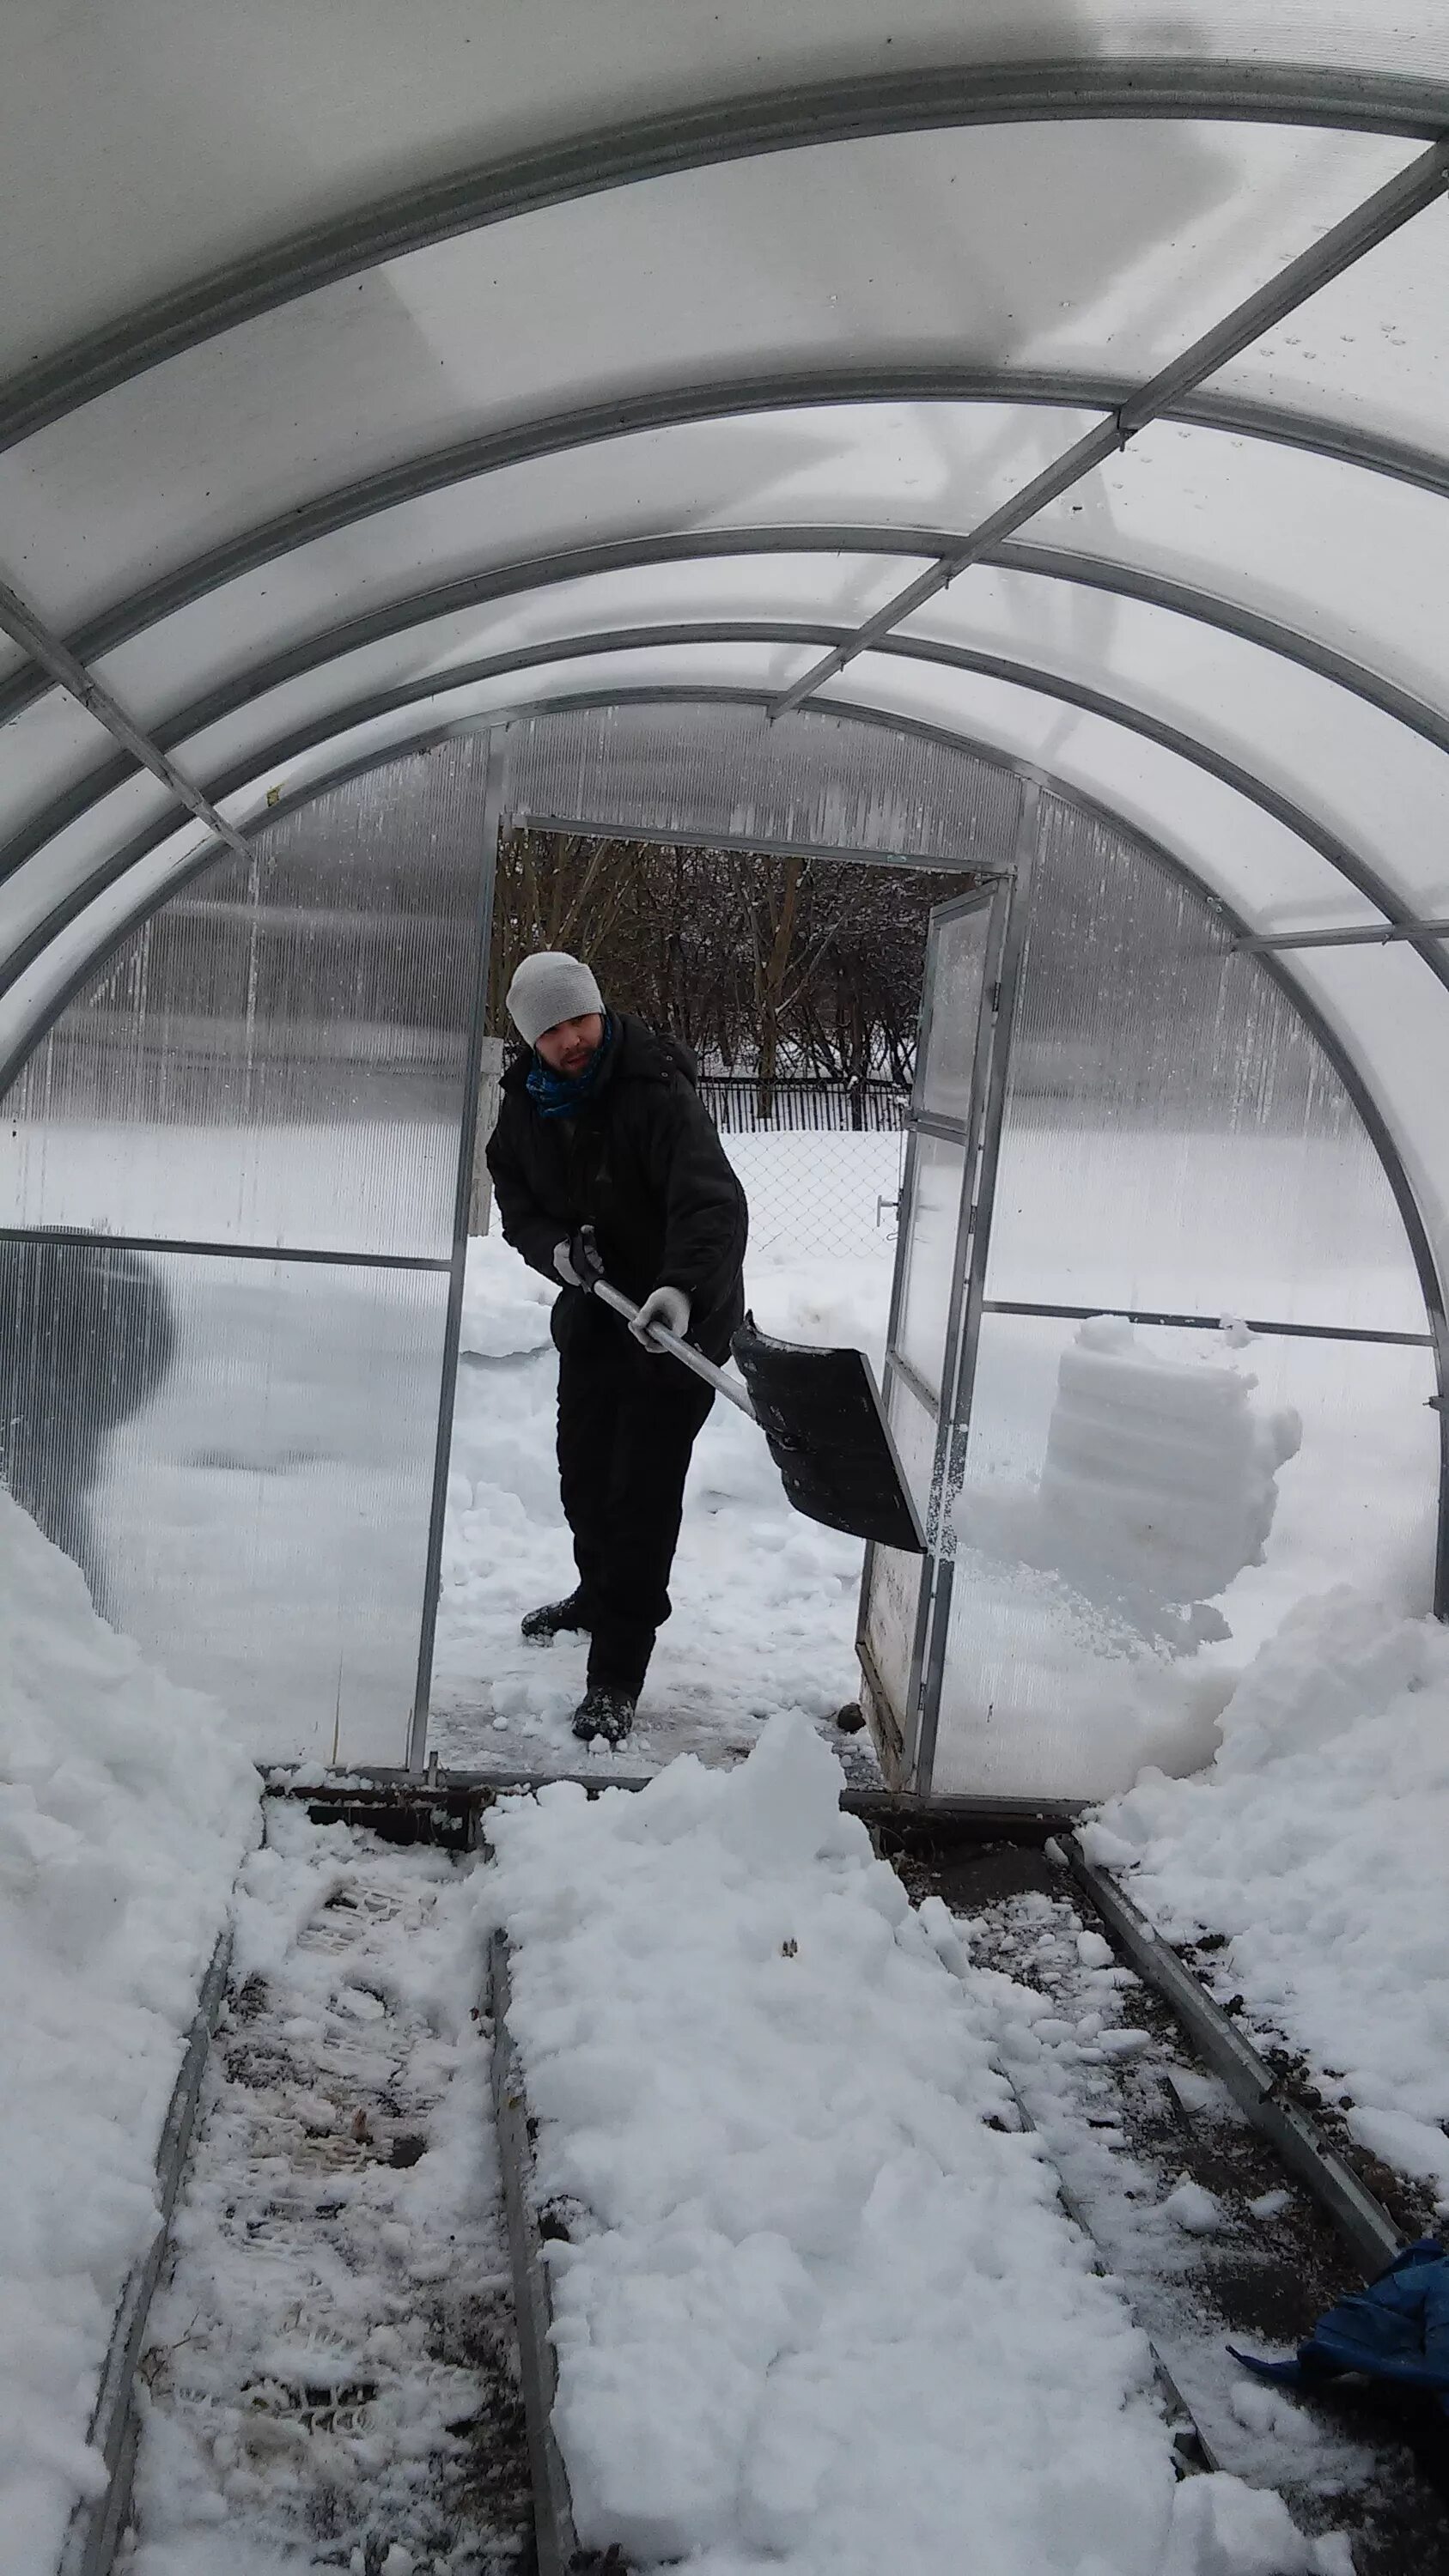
(1067, 377)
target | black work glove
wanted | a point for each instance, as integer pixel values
(577, 1261)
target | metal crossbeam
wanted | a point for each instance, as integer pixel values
(1380, 215)
(26, 628)
(1378, 936)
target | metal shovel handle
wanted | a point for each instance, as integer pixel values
(678, 1349)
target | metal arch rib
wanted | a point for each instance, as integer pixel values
(1375, 220)
(437, 687)
(530, 575)
(694, 138)
(690, 406)
(1354, 1081)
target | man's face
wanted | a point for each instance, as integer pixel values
(568, 1045)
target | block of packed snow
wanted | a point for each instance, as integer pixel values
(1160, 1467)
(823, 2313)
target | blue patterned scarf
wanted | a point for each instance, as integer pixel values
(558, 1095)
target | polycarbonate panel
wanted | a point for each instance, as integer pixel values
(1354, 559)
(928, 1240)
(47, 744)
(722, 771)
(934, 466)
(278, 1056)
(955, 984)
(832, 590)
(1369, 348)
(1174, 1139)
(1273, 879)
(893, 1581)
(155, 216)
(239, 1455)
(1097, 1620)
(1394, 1015)
(1375, 783)
(82, 854)
(1112, 246)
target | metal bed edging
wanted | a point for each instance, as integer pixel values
(1361, 2219)
(553, 2511)
(97, 2523)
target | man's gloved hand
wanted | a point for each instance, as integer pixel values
(577, 1261)
(666, 1306)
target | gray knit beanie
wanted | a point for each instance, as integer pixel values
(550, 987)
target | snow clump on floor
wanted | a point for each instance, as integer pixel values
(124, 1811)
(821, 2309)
(1314, 1846)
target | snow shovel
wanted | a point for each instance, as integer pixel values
(821, 1413)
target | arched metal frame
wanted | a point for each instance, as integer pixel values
(1432, 1286)
(660, 146)
(575, 167)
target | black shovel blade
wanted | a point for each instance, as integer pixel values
(822, 1415)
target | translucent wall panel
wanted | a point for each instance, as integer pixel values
(1096, 1622)
(947, 1061)
(239, 1455)
(1174, 1137)
(278, 1057)
(1355, 559)
(236, 1446)
(721, 771)
(929, 1245)
(1375, 783)
(1143, 1505)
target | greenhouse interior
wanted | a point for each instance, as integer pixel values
(854, 2110)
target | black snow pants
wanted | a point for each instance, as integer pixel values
(627, 1421)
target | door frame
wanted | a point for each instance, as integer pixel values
(912, 1759)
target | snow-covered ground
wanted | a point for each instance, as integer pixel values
(125, 1807)
(1315, 1849)
(819, 2310)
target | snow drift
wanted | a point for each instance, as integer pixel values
(1316, 1845)
(124, 1811)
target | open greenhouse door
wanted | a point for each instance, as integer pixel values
(954, 1103)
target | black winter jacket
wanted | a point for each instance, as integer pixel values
(641, 1163)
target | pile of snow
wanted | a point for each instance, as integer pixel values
(821, 2310)
(506, 1306)
(124, 1811)
(764, 1600)
(1316, 1845)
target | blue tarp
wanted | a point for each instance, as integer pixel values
(1397, 2329)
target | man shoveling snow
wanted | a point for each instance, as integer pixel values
(605, 1163)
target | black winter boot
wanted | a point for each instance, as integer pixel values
(556, 1619)
(604, 1711)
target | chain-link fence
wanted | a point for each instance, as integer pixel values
(818, 1183)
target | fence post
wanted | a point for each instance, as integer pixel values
(480, 1203)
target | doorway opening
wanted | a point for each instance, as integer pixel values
(795, 983)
